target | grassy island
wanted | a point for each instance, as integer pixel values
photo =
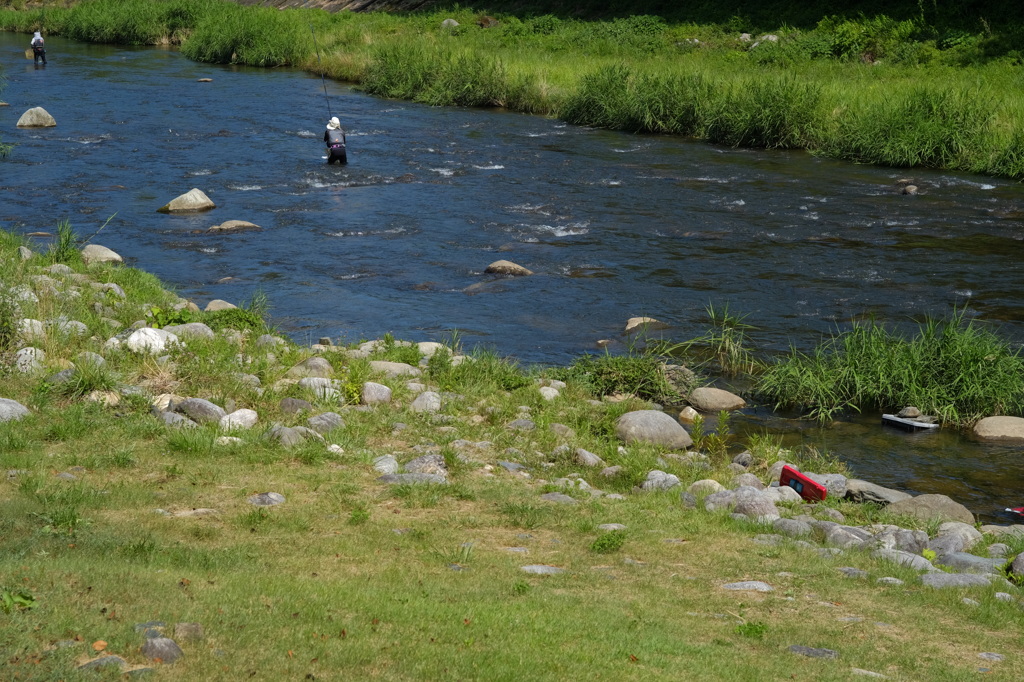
(900, 84)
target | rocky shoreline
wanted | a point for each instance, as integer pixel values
(312, 398)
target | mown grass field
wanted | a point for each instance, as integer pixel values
(351, 578)
(899, 92)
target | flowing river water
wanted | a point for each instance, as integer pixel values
(614, 225)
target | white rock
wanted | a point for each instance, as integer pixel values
(94, 253)
(152, 341)
(549, 393)
(193, 200)
(239, 419)
(36, 117)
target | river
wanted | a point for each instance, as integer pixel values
(614, 225)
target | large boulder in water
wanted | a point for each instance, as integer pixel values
(36, 117)
(507, 267)
(192, 201)
(1004, 428)
(234, 226)
(709, 399)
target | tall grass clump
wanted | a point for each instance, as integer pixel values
(250, 35)
(929, 125)
(638, 374)
(115, 21)
(954, 369)
(442, 76)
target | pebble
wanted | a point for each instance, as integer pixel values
(866, 673)
(266, 499)
(162, 649)
(989, 656)
(749, 586)
(559, 498)
(851, 572)
(1003, 596)
(542, 569)
(890, 581)
(970, 602)
(611, 526)
(811, 652)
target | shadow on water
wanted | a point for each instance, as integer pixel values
(614, 225)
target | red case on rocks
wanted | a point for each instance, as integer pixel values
(808, 489)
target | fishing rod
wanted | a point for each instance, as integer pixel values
(320, 64)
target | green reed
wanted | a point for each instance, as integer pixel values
(955, 369)
(892, 91)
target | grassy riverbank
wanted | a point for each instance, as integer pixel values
(901, 92)
(110, 518)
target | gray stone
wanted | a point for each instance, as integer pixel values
(611, 526)
(969, 533)
(747, 479)
(151, 341)
(588, 459)
(428, 464)
(266, 499)
(413, 478)
(562, 431)
(234, 226)
(652, 426)
(834, 483)
(239, 419)
(36, 117)
(998, 550)
(611, 472)
(1017, 565)
(989, 656)
(812, 652)
(1004, 597)
(792, 527)
(511, 466)
(89, 359)
(294, 405)
(756, 506)
(200, 410)
(1000, 428)
(705, 486)
(709, 399)
(191, 201)
(851, 572)
(967, 601)
(286, 436)
(918, 563)
(428, 401)
(890, 581)
(929, 507)
(659, 480)
(321, 388)
(24, 253)
(12, 410)
(323, 423)
(744, 459)
(162, 649)
(863, 491)
(386, 464)
(749, 586)
(775, 471)
(176, 420)
(542, 569)
(962, 562)
(190, 330)
(522, 425)
(559, 498)
(102, 662)
(218, 304)
(958, 580)
(507, 267)
(375, 394)
(725, 499)
(394, 369)
(29, 360)
(845, 536)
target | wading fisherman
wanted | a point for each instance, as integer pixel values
(38, 48)
(334, 137)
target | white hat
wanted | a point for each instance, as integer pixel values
(333, 124)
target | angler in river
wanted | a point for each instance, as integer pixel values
(38, 48)
(334, 137)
